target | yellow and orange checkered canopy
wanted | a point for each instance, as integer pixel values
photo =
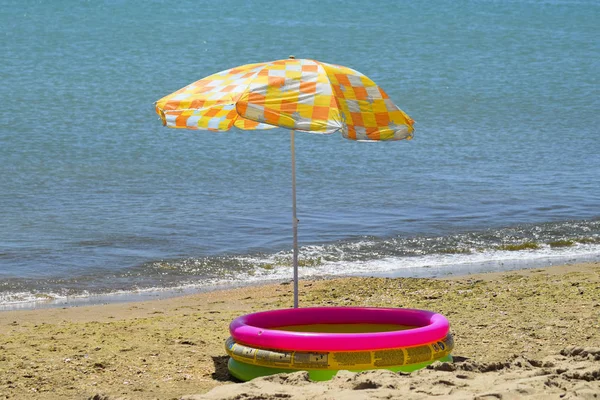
(300, 94)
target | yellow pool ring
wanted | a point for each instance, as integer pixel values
(338, 360)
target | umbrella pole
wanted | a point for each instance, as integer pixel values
(294, 221)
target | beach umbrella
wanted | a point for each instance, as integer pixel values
(297, 94)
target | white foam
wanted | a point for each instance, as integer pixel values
(418, 266)
(388, 266)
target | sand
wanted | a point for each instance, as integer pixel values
(533, 333)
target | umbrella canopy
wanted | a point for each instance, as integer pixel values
(297, 94)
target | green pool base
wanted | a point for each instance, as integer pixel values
(247, 372)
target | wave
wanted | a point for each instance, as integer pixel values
(505, 248)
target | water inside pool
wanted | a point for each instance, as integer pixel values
(345, 328)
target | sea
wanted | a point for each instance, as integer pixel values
(101, 203)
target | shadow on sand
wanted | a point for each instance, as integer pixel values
(221, 373)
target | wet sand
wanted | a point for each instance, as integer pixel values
(532, 333)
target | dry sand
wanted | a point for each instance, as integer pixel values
(524, 334)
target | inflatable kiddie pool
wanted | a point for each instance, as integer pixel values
(325, 340)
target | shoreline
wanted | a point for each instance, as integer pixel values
(432, 272)
(173, 347)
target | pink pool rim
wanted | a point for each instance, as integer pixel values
(260, 329)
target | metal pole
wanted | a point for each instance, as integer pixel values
(294, 222)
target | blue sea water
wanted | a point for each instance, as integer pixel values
(97, 197)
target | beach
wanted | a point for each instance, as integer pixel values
(519, 334)
(127, 248)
